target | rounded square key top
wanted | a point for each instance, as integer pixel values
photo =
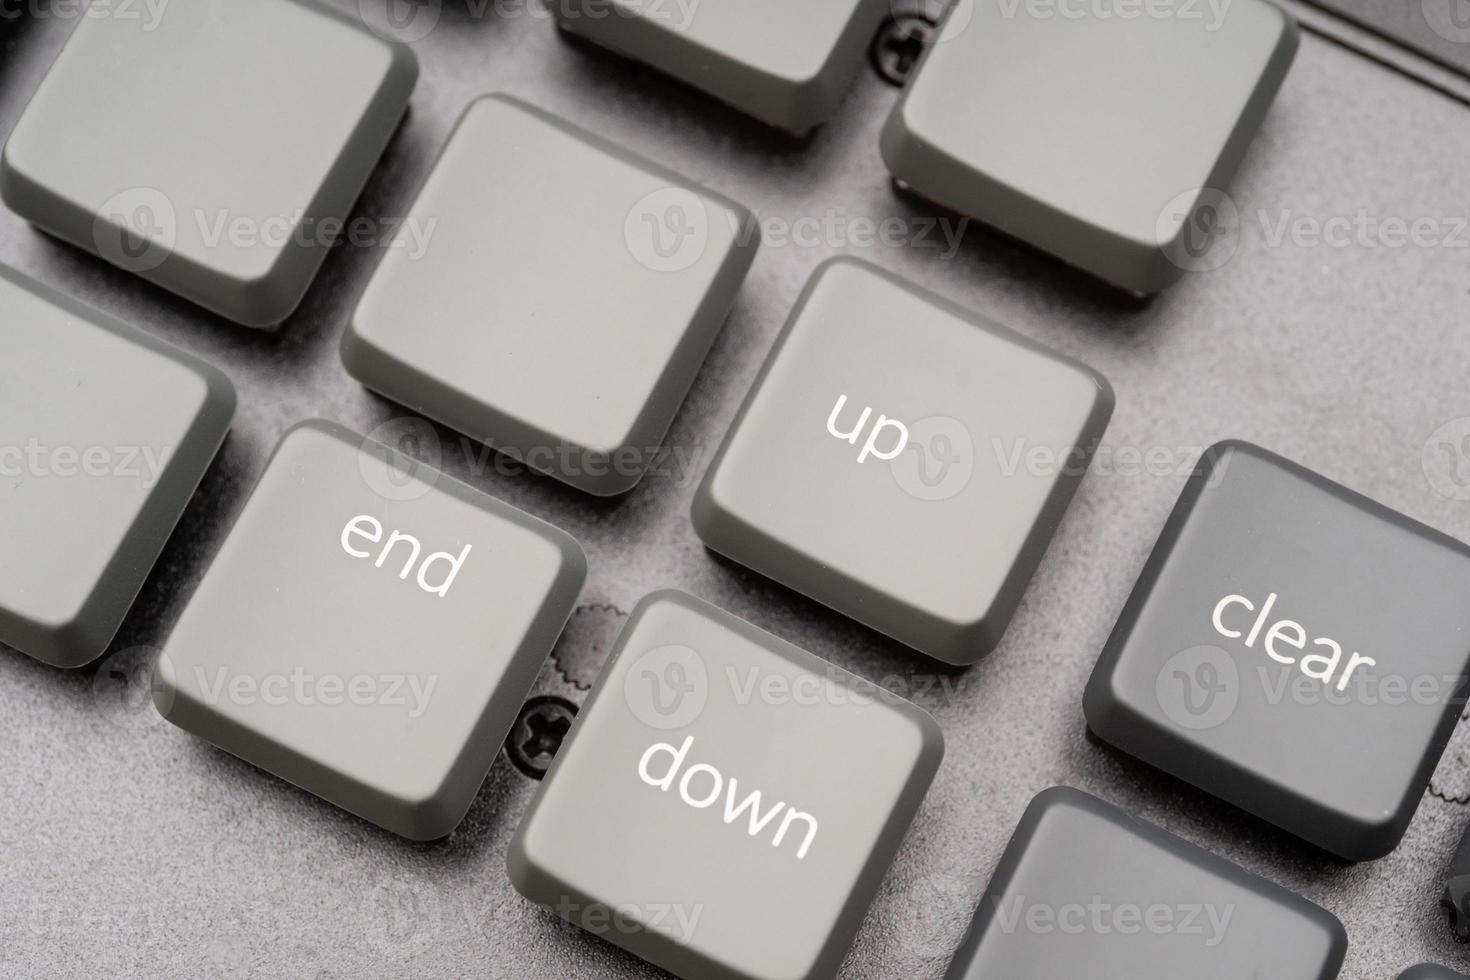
(1086, 891)
(214, 149)
(369, 630)
(903, 461)
(105, 432)
(1105, 134)
(1294, 648)
(726, 804)
(785, 63)
(562, 301)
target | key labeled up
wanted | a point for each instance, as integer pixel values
(903, 461)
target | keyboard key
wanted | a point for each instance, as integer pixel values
(903, 461)
(1428, 971)
(787, 64)
(215, 151)
(105, 433)
(1084, 890)
(369, 630)
(1184, 93)
(564, 301)
(726, 805)
(1293, 648)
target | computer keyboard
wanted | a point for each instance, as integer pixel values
(272, 604)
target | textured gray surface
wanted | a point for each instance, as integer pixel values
(129, 847)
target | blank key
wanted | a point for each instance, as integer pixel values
(561, 300)
(369, 630)
(1105, 134)
(104, 434)
(214, 150)
(1086, 891)
(786, 62)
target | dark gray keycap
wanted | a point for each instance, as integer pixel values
(562, 300)
(903, 461)
(213, 150)
(785, 63)
(1428, 971)
(369, 630)
(727, 804)
(1064, 167)
(1085, 890)
(1293, 648)
(105, 433)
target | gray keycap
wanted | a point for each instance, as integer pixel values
(560, 301)
(1085, 890)
(105, 433)
(1428, 971)
(213, 150)
(787, 64)
(1293, 648)
(369, 630)
(902, 461)
(1118, 155)
(726, 805)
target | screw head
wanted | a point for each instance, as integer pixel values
(538, 733)
(899, 44)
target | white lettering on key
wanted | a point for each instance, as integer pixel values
(1285, 639)
(366, 529)
(702, 785)
(897, 437)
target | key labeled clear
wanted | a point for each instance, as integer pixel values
(369, 630)
(214, 150)
(105, 432)
(563, 303)
(903, 461)
(726, 804)
(1293, 648)
(787, 64)
(1085, 890)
